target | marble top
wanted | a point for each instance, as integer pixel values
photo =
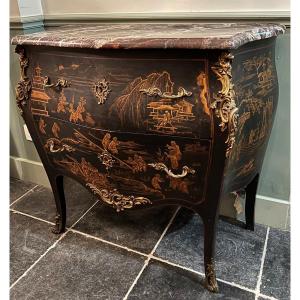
(138, 36)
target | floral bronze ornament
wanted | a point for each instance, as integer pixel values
(23, 87)
(224, 104)
(153, 91)
(118, 200)
(101, 90)
(106, 159)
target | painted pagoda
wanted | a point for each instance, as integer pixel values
(39, 98)
(167, 116)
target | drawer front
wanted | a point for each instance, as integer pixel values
(146, 95)
(148, 168)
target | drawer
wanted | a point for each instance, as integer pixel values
(145, 167)
(166, 96)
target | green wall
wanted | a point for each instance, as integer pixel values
(19, 146)
(275, 176)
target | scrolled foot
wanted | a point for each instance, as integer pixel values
(210, 278)
(211, 287)
(58, 228)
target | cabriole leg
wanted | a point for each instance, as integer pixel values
(59, 196)
(250, 202)
(210, 225)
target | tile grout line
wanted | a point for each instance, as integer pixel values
(151, 253)
(51, 247)
(83, 234)
(31, 216)
(107, 242)
(165, 261)
(71, 227)
(262, 265)
(26, 193)
(46, 221)
(267, 297)
(44, 254)
(176, 265)
(148, 255)
(218, 279)
(253, 291)
(165, 231)
(137, 278)
(202, 274)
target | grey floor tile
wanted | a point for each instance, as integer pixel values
(29, 239)
(80, 268)
(41, 203)
(276, 271)
(138, 229)
(163, 282)
(17, 188)
(238, 251)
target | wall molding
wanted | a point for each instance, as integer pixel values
(282, 17)
(275, 14)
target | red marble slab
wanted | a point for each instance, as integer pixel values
(159, 36)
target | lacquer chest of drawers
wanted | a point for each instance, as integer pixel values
(152, 114)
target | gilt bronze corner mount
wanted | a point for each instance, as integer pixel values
(23, 88)
(224, 103)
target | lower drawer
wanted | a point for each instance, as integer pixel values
(126, 169)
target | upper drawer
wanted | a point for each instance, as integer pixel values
(123, 93)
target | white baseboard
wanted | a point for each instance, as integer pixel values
(272, 212)
(28, 170)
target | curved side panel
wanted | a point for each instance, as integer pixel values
(256, 94)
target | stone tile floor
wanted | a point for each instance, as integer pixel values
(145, 254)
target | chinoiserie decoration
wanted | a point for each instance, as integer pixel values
(60, 83)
